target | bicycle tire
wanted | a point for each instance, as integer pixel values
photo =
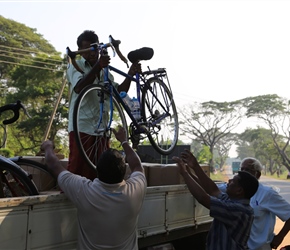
(89, 116)
(41, 175)
(15, 182)
(157, 100)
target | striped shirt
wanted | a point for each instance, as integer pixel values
(231, 225)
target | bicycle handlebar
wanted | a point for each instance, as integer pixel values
(15, 107)
(144, 53)
(114, 44)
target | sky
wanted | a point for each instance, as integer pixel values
(212, 50)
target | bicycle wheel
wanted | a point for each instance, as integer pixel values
(160, 114)
(42, 177)
(95, 131)
(15, 181)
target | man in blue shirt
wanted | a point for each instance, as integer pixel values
(231, 211)
(267, 204)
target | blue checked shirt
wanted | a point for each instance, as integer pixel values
(231, 225)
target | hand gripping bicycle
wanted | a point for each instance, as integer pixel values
(101, 107)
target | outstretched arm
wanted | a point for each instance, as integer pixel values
(133, 159)
(195, 189)
(51, 159)
(206, 183)
(277, 240)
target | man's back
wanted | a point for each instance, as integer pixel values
(107, 213)
(231, 225)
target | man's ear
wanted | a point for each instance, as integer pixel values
(258, 174)
(241, 192)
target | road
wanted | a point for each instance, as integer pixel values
(282, 186)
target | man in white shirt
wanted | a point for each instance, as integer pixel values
(108, 207)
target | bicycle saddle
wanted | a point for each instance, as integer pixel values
(144, 53)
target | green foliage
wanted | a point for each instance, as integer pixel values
(33, 73)
(6, 152)
(204, 155)
(259, 143)
(264, 105)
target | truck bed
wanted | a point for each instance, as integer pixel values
(48, 220)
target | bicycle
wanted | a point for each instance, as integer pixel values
(14, 181)
(20, 176)
(40, 174)
(158, 122)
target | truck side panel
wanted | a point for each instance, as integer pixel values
(49, 221)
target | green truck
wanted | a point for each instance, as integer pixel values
(236, 166)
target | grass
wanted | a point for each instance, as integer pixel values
(282, 176)
(219, 176)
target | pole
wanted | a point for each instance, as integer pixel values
(55, 107)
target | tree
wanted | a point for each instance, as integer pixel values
(31, 71)
(258, 143)
(223, 147)
(209, 122)
(18, 41)
(275, 112)
(202, 153)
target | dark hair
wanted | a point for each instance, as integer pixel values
(249, 183)
(87, 35)
(111, 166)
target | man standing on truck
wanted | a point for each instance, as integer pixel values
(108, 207)
(86, 71)
(231, 211)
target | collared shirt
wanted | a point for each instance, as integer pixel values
(73, 77)
(267, 204)
(107, 213)
(231, 225)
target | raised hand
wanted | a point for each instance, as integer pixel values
(104, 61)
(135, 68)
(120, 133)
(189, 159)
(47, 145)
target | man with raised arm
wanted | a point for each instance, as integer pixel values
(231, 212)
(267, 204)
(89, 69)
(108, 207)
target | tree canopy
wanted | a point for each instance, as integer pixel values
(212, 124)
(31, 71)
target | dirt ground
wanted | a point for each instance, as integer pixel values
(278, 227)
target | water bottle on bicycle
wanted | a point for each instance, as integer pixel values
(133, 104)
